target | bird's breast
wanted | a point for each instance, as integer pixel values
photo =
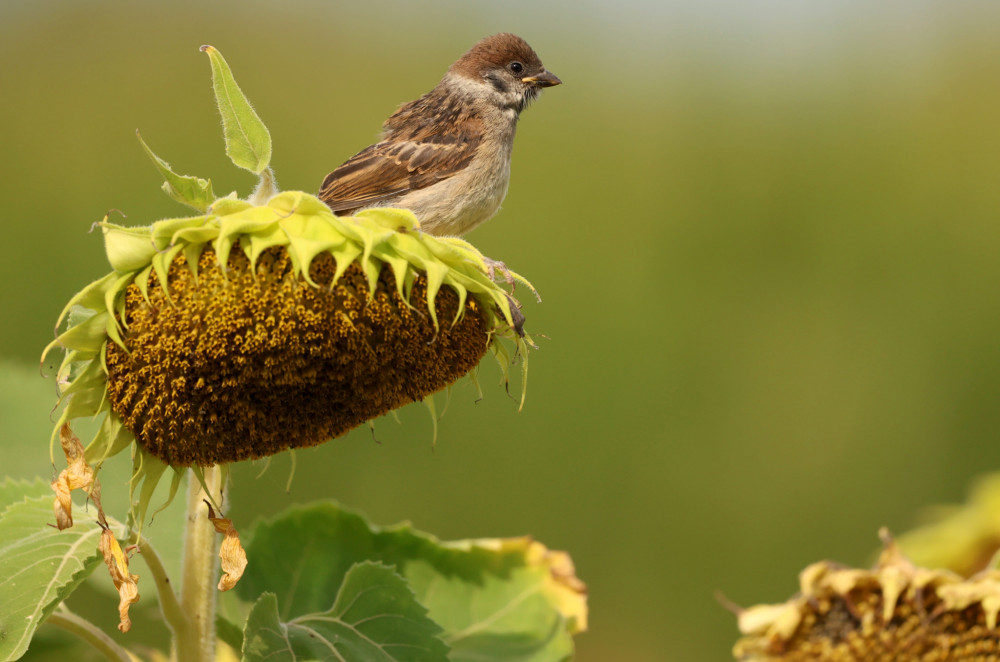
(456, 205)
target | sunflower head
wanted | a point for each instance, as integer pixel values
(896, 612)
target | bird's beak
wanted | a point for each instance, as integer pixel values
(544, 79)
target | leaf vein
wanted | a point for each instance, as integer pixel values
(484, 623)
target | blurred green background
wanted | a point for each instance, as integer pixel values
(766, 235)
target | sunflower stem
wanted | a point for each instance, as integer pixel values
(90, 633)
(170, 606)
(267, 187)
(195, 641)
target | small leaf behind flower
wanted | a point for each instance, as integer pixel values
(248, 142)
(375, 617)
(191, 191)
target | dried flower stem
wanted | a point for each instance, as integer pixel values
(195, 641)
(90, 633)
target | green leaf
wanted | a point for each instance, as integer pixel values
(39, 567)
(191, 191)
(14, 491)
(248, 142)
(375, 617)
(497, 599)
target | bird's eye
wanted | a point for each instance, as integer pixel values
(516, 67)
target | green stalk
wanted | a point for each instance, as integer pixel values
(195, 642)
(90, 633)
(173, 614)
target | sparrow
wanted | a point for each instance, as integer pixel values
(446, 155)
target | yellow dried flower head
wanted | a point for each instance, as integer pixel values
(896, 612)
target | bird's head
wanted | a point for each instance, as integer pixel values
(509, 67)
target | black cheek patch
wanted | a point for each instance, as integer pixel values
(498, 84)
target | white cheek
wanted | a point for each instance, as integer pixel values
(466, 87)
(510, 101)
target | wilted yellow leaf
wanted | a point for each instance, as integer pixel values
(231, 553)
(567, 592)
(563, 590)
(126, 583)
(77, 475)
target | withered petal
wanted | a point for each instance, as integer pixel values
(231, 553)
(77, 475)
(125, 582)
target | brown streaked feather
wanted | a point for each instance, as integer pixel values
(424, 142)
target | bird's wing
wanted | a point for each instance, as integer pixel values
(394, 166)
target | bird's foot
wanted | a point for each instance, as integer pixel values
(493, 266)
(496, 267)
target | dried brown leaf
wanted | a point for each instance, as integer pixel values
(126, 583)
(77, 475)
(231, 553)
